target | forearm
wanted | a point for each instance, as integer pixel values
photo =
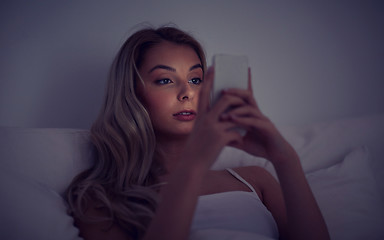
(177, 205)
(304, 219)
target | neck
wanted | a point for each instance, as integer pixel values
(170, 151)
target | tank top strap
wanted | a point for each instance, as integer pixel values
(236, 175)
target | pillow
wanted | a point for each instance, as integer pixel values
(323, 144)
(46, 155)
(232, 157)
(349, 199)
(32, 211)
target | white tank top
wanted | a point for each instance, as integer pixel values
(236, 211)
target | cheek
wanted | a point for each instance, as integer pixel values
(157, 103)
(196, 98)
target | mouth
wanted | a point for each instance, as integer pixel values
(185, 115)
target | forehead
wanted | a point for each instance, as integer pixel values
(168, 53)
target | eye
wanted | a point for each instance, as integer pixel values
(195, 81)
(163, 81)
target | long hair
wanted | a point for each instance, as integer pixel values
(122, 178)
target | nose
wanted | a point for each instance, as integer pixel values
(186, 93)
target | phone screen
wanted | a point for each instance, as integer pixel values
(230, 72)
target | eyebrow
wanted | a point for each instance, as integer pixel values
(196, 66)
(171, 69)
(162, 67)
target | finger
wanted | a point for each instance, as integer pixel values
(225, 103)
(205, 93)
(238, 143)
(249, 123)
(234, 139)
(227, 126)
(229, 133)
(247, 95)
(242, 111)
(226, 132)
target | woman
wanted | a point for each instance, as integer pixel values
(156, 138)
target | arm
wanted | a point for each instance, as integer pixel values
(177, 205)
(99, 230)
(292, 203)
(173, 216)
(303, 217)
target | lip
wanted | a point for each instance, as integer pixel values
(185, 115)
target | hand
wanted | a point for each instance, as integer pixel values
(210, 134)
(262, 138)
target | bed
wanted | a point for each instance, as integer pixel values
(342, 160)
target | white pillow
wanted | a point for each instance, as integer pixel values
(323, 144)
(46, 155)
(231, 157)
(32, 211)
(349, 199)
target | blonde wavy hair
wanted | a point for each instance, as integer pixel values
(123, 177)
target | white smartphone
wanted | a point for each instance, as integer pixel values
(230, 72)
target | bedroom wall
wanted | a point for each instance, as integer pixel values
(310, 61)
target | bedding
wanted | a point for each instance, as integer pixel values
(342, 160)
(30, 210)
(349, 198)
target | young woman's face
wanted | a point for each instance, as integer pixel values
(172, 76)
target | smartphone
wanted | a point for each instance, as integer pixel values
(230, 72)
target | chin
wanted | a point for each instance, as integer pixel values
(183, 132)
(175, 133)
(184, 129)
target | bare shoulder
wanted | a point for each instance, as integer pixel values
(259, 178)
(99, 226)
(255, 174)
